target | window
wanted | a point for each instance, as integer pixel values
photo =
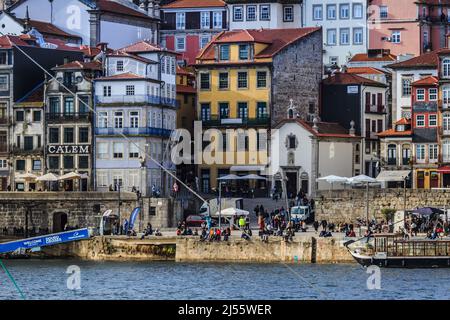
(446, 122)
(3, 57)
(83, 162)
(117, 150)
(446, 151)
(420, 120)
(69, 106)
(28, 143)
(344, 11)
(238, 14)
(107, 91)
(69, 135)
(68, 162)
(357, 11)
(134, 119)
(53, 163)
(317, 12)
(420, 94)
(119, 66)
(102, 150)
(20, 165)
(331, 12)
(180, 43)
(406, 86)
(53, 135)
(242, 110)
(118, 119)
(180, 20)
(102, 119)
(54, 105)
(446, 67)
(204, 41)
(251, 13)
(4, 83)
(205, 20)
(20, 115)
(345, 36)
(261, 79)
(392, 154)
(223, 80)
(37, 165)
(133, 151)
(242, 80)
(3, 164)
(432, 94)
(204, 81)
(205, 111)
(420, 152)
(37, 116)
(224, 110)
(129, 90)
(264, 12)
(288, 13)
(358, 35)
(432, 120)
(261, 109)
(217, 20)
(224, 52)
(243, 52)
(383, 12)
(83, 135)
(396, 37)
(331, 37)
(433, 152)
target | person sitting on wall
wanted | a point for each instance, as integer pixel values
(158, 233)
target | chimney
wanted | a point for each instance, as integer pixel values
(156, 9)
(103, 46)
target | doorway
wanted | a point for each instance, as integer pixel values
(59, 221)
(291, 184)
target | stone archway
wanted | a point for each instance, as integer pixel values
(59, 221)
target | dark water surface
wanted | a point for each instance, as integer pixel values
(47, 279)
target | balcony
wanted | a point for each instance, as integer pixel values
(142, 99)
(133, 132)
(375, 109)
(215, 121)
(392, 161)
(23, 152)
(68, 117)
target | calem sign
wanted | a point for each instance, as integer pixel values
(68, 149)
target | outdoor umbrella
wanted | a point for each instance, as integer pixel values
(49, 177)
(27, 176)
(229, 177)
(252, 177)
(332, 179)
(365, 180)
(70, 176)
(428, 211)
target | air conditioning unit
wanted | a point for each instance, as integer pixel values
(388, 39)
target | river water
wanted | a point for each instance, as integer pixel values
(48, 280)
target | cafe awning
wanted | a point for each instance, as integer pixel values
(445, 169)
(393, 175)
(247, 168)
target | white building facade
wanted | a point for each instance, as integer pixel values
(271, 14)
(135, 116)
(303, 152)
(344, 25)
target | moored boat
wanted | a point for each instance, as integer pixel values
(393, 251)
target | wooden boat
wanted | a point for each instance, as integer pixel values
(393, 251)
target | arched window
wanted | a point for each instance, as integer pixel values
(406, 154)
(290, 114)
(446, 67)
(392, 154)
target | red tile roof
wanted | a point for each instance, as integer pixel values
(49, 29)
(426, 60)
(194, 4)
(95, 65)
(340, 78)
(35, 95)
(122, 76)
(185, 89)
(144, 46)
(277, 40)
(6, 42)
(359, 57)
(117, 8)
(427, 81)
(364, 70)
(393, 133)
(403, 121)
(183, 71)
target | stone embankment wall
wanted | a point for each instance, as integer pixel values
(301, 250)
(115, 249)
(348, 205)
